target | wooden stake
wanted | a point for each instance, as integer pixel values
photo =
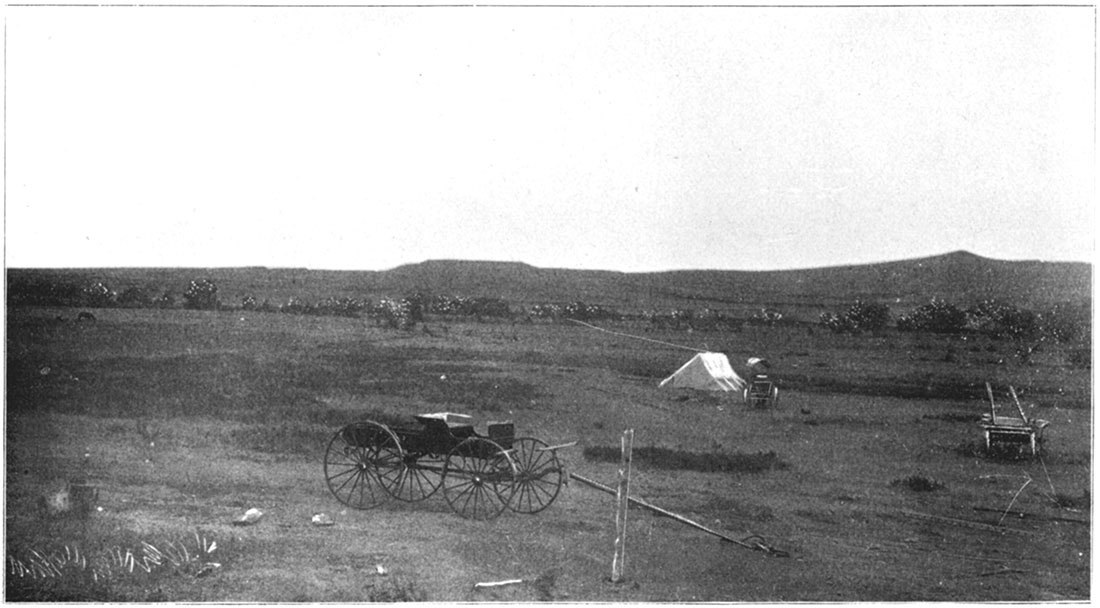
(1019, 407)
(622, 502)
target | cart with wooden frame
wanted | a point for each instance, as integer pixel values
(1009, 434)
(367, 463)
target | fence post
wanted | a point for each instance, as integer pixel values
(622, 502)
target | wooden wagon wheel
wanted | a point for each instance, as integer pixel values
(478, 478)
(353, 461)
(539, 476)
(413, 477)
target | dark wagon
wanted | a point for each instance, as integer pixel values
(368, 462)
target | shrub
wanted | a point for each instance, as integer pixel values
(294, 306)
(166, 300)
(397, 314)
(98, 295)
(1001, 320)
(588, 312)
(134, 297)
(937, 316)
(766, 316)
(1066, 322)
(340, 307)
(861, 316)
(202, 294)
(546, 311)
(413, 305)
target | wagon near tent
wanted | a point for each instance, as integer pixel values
(368, 462)
(761, 391)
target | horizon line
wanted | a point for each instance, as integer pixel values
(957, 252)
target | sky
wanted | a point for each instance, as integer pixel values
(618, 138)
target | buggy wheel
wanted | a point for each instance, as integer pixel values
(354, 457)
(413, 477)
(478, 478)
(539, 476)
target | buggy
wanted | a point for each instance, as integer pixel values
(368, 462)
(761, 392)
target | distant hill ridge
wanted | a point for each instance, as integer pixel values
(961, 277)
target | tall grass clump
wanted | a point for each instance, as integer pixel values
(113, 573)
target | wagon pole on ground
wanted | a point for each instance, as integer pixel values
(757, 543)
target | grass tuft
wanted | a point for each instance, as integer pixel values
(918, 483)
(113, 573)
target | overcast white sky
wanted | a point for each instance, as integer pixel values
(626, 138)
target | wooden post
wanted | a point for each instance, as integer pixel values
(622, 502)
(992, 404)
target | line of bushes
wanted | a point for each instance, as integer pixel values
(1063, 323)
(1000, 320)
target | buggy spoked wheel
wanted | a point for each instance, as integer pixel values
(539, 476)
(412, 477)
(478, 478)
(355, 456)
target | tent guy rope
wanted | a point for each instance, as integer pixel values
(619, 333)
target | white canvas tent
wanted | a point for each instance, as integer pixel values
(706, 371)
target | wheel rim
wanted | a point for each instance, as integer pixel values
(478, 479)
(352, 462)
(539, 476)
(412, 477)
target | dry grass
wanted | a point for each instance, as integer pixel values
(242, 412)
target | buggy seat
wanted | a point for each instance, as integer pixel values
(447, 423)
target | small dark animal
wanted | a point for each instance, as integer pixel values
(85, 316)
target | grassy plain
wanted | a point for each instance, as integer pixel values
(185, 419)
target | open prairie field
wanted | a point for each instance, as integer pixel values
(873, 486)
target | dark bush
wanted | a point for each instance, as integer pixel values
(588, 312)
(294, 306)
(98, 295)
(937, 317)
(166, 300)
(918, 483)
(1001, 320)
(861, 316)
(1067, 322)
(134, 297)
(202, 294)
(766, 316)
